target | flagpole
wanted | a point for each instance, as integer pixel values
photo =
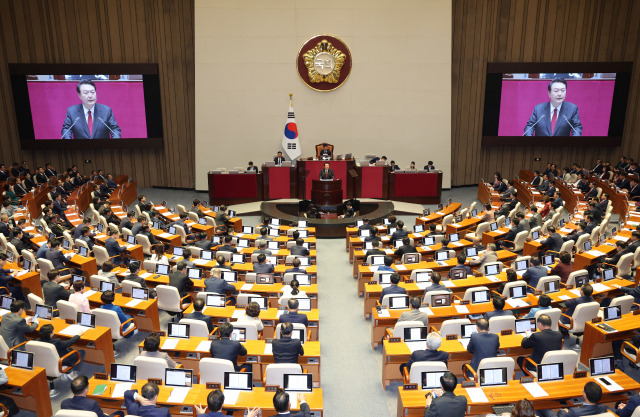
(291, 99)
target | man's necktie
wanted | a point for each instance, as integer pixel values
(554, 119)
(90, 123)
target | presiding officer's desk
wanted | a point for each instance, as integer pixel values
(412, 402)
(29, 390)
(188, 352)
(144, 312)
(198, 395)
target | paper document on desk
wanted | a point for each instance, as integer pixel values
(3, 312)
(200, 261)
(388, 251)
(621, 238)
(575, 291)
(231, 396)
(119, 389)
(165, 235)
(440, 213)
(361, 239)
(464, 342)
(492, 278)
(268, 348)
(41, 243)
(280, 312)
(384, 313)
(178, 395)
(564, 297)
(385, 285)
(293, 399)
(413, 346)
(89, 293)
(476, 395)
(426, 310)
(516, 302)
(456, 243)
(423, 285)
(455, 225)
(239, 235)
(129, 246)
(401, 267)
(237, 314)
(598, 287)
(146, 275)
(462, 309)
(373, 268)
(170, 344)
(21, 273)
(246, 287)
(612, 386)
(133, 303)
(633, 223)
(448, 283)
(72, 330)
(535, 389)
(595, 253)
(204, 346)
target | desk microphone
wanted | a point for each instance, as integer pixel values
(572, 128)
(533, 125)
(113, 134)
(67, 131)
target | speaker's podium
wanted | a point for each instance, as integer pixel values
(327, 194)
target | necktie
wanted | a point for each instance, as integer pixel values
(554, 119)
(90, 123)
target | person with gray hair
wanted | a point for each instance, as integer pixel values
(261, 244)
(431, 353)
(415, 314)
(487, 256)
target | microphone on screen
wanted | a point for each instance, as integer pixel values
(113, 134)
(533, 125)
(67, 131)
(572, 128)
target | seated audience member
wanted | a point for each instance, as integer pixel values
(262, 248)
(251, 167)
(512, 276)
(435, 284)
(591, 394)
(433, 230)
(158, 255)
(375, 251)
(487, 256)
(299, 249)
(446, 403)
(544, 303)
(6, 280)
(482, 344)
(151, 349)
(429, 167)
(252, 315)
(365, 224)
(282, 405)
(215, 401)
(198, 306)
(296, 267)
(291, 291)
(262, 266)
(13, 326)
(80, 402)
(394, 288)
(180, 280)
(286, 349)
(388, 261)
(431, 353)
(53, 291)
(78, 298)
(373, 236)
(585, 297)
(414, 314)
(536, 218)
(461, 258)
(406, 247)
(225, 348)
(523, 408)
(498, 309)
(134, 271)
(55, 255)
(107, 298)
(63, 347)
(348, 211)
(107, 271)
(220, 263)
(228, 245)
(203, 242)
(217, 284)
(554, 241)
(264, 234)
(541, 342)
(292, 315)
(626, 410)
(145, 403)
(400, 232)
(564, 267)
(114, 249)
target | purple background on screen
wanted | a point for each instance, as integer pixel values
(592, 97)
(50, 100)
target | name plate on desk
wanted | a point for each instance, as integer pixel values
(537, 293)
(271, 388)
(156, 381)
(70, 321)
(506, 332)
(214, 385)
(372, 282)
(464, 302)
(636, 312)
(452, 337)
(410, 387)
(596, 320)
(161, 333)
(580, 374)
(526, 379)
(100, 375)
(408, 281)
(468, 384)
(394, 340)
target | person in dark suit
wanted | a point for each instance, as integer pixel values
(14, 326)
(541, 341)
(228, 246)
(462, 258)
(325, 152)
(557, 117)
(373, 235)
(53, 291)
(298, 249)
(225, 348)
(17, 240)
(128, 221)
(498, 309)
(375, 250)
(579, 231)
(365, 224)
(282, 405)
(400, 232)
(626, 410)
(585, 297)
(286, 349)
(593, 191)
(554, 241)
(55, 255)
(215, 401)
(292, 315)
(145, 403)
(134, 271)
(251, 167)
(431, 353)
(536, 178)
(113, 248)
(180, 280)
(406, 247)
(482, 344)
(85, 236)
(146, 231)
(544, 184)
(203, 241)
(394, 288)
(89, 120)
(218, 285)
(435, 284)
(632, 245)
(533, 274)
(79, 401)
(198, 306)
(296, 267)
(326, 173)
(592, 393)
(634, 189)
(279, 159)
(446, 404)
(220, 263)
(262, 267)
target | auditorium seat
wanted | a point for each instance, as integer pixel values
(212, 370)
(274, 373)
(569, 359)
(491, 363)
(417, 368)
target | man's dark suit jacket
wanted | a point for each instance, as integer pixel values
(497, 313)
(228, 248)
(575, 302)
(584, 410)
(299, 250)
(134, 407)
(483, 345)
(126, 222)
(630, 407)
(592, 193)
(82, 403)
(13, 328)
(326, 175)
(542, 342)
(113, 248)
(374, 252)
(427, 355)
(81, 130)
(294, 318)
(53, 292)
(218, 286)
(287, 350)
(553, 242)
(263, 268)
(197, 315)
(203, 244)
(181, 282)
(399, 234)
(543, 128)
(278, 160)
(138, 279)
(405, 249)
(228, 349)
(393, 289)
(305, 411)
(57, 258)
(18, 244)
(449, 405)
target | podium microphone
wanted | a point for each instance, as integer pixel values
(572, 128)
(67, 131)
(113, 134)
(533, 125)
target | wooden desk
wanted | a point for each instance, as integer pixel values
(145, 314)
(597, 342)
(30, 280)
(486, 194)
(34, 390)
(437, 216)
(135, 251)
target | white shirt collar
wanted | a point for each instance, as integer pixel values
(551, 109)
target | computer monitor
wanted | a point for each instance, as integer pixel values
(493, 226)
(535, 235)
(612, 313)
(478, 297)
(232, 213)
(131, 240)
(518, 291)
(397, 243)
(397, 302)
(466, 330)
(491, 269)
(303, 279)
(275, 222)
(426, 212)
(6, 302)
(274, 260)
(140, 293)
(418, 228)
(507, 222)
(215, 240)
(178, 330)
(172, 230)
(431, 380)
(304, 304)
(384, 278)
(82, 251)
(303, 234)
(194, 273)
(471, 252)
(298, 334)
(178, 377)
(106, 286)
(123, 373)
(206, 255)
(551, 372)
(66, 245)
(230, 276)
(273, 245)
(247, 230)
(237, 258)
(423, 277)
(391, 230)
(524, 325)
(603, 365)
(493, 376)
(442, 255)
(86, 319)
(580, 280)
(454, 237)
(429, 241)
(587, 245)
(552, 286)
(440, 206)
(376, 259)
(459, 273)
(26, 264)
(274, 232)
(561, 223)
(263, 302)
(415, 334)
(547, 260)
(162, 269)
(364, 232)
(44, 312)
(522, 265)
(177, 251)
(215, 300)
(411, 258)
(202, 221)
(239, 334)
(52, 236)
(155, 225)
(441, 300)
(298, 382)
(359, 223)
(21, 359)
(474, 213)
(243, 243)
(100, 227)
(608, 274)
(264, 278)
(303, 224)
(242, 381)
(386, 221)
(77, 278)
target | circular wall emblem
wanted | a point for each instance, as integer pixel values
(324, 63)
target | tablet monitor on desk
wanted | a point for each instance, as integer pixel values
(478, 297)
(303, 279)
(397, 243)
(262, 302)
(608, 274)
(52, 236)
(552, 286)
(239, 334)
(580, 280)
(431, 380)
(155, 225)
(195, 273)
(466, 330)
(612, 313)
(493, 376)
(237, 258)
(471, 252)
(442, 255)
(364, 232)
(298, 382)
(131, 240)
(106, 286)
(177, 251)
(178, 330)
(264, 278)
(429, 241)
(454, 237)
(441, 300)
(603, 365)
(459, 273)
(411, 258)
(423, 277)
(202, 221)
(587, 245)
(273, 245)
(248, 230)
(274, 232)
(238, 381)
(171, 230)
(215, 300)
(206, 255)
(303, 234)
(44, 312)
(397, 302)
(82, 251)
(474, 213)
(377, 259)
(77, 278)
(66, 245)
(304, 304)
(274, 222)
(551, 372)
(86, 319)
(178, 377)
(535, 235)
(384, 278)
(26, 265)
(561, 224)
(162, 269)
(491, 269)
(415, 334)
(418, 228)
(426, 212)
(303, 224)
(493, 227)
(522, 265)
(273, 260)
(21, 359)
(243, 243)
(359, 223)
(547, 260)
(232, 213)
(367, 246)
(518, 291)
(230, 276)
(524, 325)
(140, 293)
(215, 240)
(507, 222)
(298, 334)
(386, 221)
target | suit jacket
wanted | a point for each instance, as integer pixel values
(53, 292)
(18, 244)
(227, 349)
(449, 405)
(562, 270)
(584, 410)
(553, 242)
(197, 315)
(134, 407)
(592, 193)
(325, 175)
(486, 257)
(399, 234)
(149, 235)
(483, 345)
(427, 355)
(405, 249)
(533, 274)
(278, 160)
(135, 228)
(393, 289)
(414, 315)
(57, 258)
(630, 407)
(13, 328)
(113, 248)
(126, 222)
(228, 248)
(544, 186)
(139, 280)
(79, 402)
(294, 318)
(542, 342)
(80, 129)
(287, 350)
(181, 282)
(42, 252)
(299, 250)
(497, 313)
(219, 286)
(304, 412)
(541, 113)
(87, 240)
(374, 252)
(263, 268)
(573, 303)
(536, 181)
(203, 244)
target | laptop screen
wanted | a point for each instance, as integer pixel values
(140, 293)
(202, 221)
(26, 265)
(303, 233)
(239, 334)
(230, 276)
(386, 221)
(551, 372)
(458, 273)
(398, 301)
(65, 245)
(232, 213)
(397, 243)
(608, 274)
(298, 382)
(20, 359)
(429, 240)
(106, 286)
(275, 222)
(247, 230)
(493, 226)
(179, 330)
(243, 243)
(480, 297)
(264, 278)
(44, 312)
(552, 286)
(466, 330)
(418, 228)
(547, 260)
(471, 252)
(411, 258)
(431, 380)
(6, 302)
(581, 280)
(364, 233)
(298, 334)
(131, 240)
(587, 245)
(415, 334)
(535, 235)
(177, 251)
(303, 279)
(507, 222)
(304, 304)
(518, 291)
(602, 366)
(303, 224)
(262, 302)
(524, 325)
(492, 269)
(423, 277)
(474, 213)
(162, 269)
(78, 278)
(100, 227)
(273, 245)
(493, 376)
(522, 265)
(238, 381)
(441, 300)
(206, 255)
(83, 251)
(274, 232)
(442, 255)
(194, 273)
(377, 260)
(454, 237)
(359, 223)
(178, 377)
(123, 373)
(215, 300)
(237, 258)
(612, 313)
(86, 319)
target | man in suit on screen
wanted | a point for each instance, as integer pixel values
(556, 117)
(89, 120)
